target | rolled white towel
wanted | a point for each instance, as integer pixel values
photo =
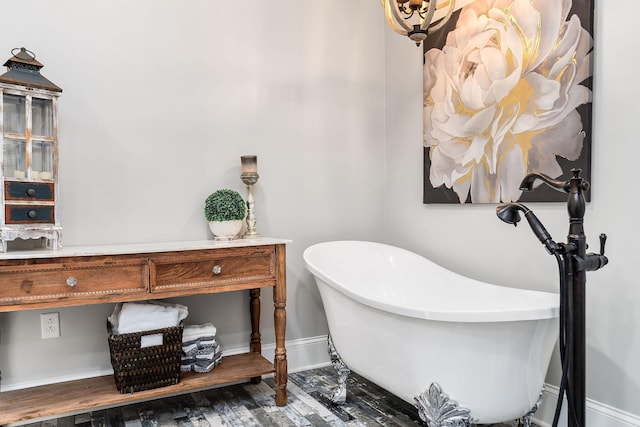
(137, 317)
(193, 332)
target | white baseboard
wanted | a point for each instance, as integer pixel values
(302, 354)
(597, 414)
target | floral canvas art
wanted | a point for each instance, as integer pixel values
(507, 92)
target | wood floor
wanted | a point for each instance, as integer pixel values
(245, 405)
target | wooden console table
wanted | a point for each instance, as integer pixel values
(95, 275)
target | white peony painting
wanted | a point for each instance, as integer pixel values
(507, 92)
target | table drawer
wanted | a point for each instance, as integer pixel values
(242, 268)
(91, 280)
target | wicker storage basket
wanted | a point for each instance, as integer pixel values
(137, 368)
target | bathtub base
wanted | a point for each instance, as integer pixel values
(525, 421)
(437, 410)
(339, 394)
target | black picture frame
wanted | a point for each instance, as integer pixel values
(583, 10)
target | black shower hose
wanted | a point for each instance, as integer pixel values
(564, 340)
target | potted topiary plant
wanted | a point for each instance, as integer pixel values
(225, 210)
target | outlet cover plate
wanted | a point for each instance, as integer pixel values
(50, 324)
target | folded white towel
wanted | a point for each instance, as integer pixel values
(193, 332)
(137, 317)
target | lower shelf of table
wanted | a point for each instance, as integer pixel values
(94, 393)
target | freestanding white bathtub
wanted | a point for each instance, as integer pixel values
(405, 323)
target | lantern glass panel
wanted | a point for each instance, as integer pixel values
(14, 113)
(42, 160)
(15, 164)
(42, 117)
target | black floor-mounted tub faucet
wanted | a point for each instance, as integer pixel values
(573, 263)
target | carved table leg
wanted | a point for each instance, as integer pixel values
(280, 319)
(254, 308)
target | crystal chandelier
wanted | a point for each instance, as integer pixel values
(417, 18)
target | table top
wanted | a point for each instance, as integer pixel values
(131, 248)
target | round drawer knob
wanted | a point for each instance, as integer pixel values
(217, 269)
(32, 214)
(31, 192)
(72, 281)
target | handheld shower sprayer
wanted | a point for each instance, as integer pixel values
(573, 263)
(509, 214)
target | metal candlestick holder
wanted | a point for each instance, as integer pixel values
(249, 179)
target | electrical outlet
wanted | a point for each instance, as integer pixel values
(50, 323)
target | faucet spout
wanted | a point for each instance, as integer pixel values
(529, 180)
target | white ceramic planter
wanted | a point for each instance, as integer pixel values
(225, 230)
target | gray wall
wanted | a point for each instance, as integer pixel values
(161, 98)
(472, 241)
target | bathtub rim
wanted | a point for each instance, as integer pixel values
(483, 316)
